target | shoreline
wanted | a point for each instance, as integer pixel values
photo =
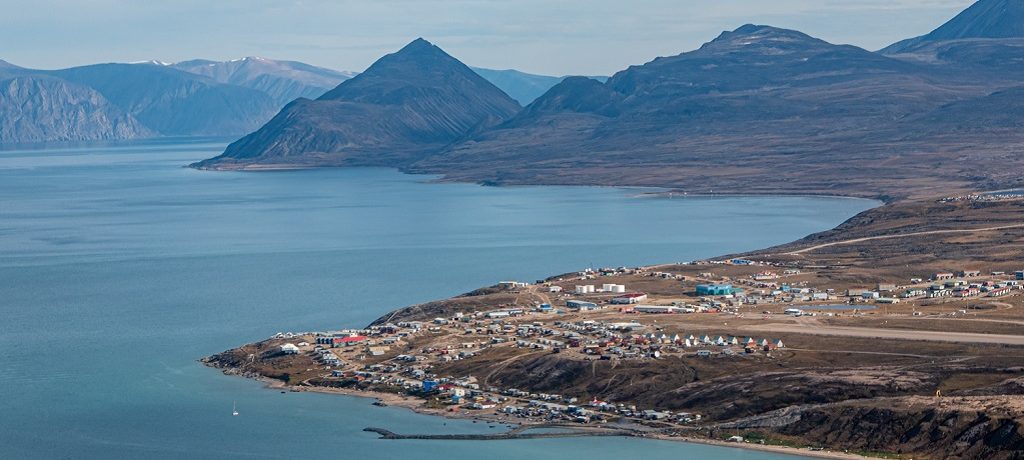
(413, 405)
(630, 427)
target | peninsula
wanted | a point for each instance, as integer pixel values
(900, 333)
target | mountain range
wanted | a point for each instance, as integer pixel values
(283, 81)
(125, 101)
(192, 98)
(757, 109)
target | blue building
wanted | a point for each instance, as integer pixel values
(715, 289)
(585, 306)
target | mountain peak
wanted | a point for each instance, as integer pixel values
(419, 42)
(419, 47)
(750, 34)
(420, 64)
(985, 19)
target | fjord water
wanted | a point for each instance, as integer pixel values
(119, 269)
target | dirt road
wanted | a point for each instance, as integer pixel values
(935, 336)
(902, 235)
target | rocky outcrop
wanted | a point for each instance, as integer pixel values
(916, 426)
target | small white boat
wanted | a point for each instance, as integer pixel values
(234, 409)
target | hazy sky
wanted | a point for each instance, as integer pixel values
(541, 36)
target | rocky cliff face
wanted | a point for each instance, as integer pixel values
(406, 105)
(40, 108)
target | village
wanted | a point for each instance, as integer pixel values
(591, 315)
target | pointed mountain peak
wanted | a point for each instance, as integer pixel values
(985, 19)
(417, 44)
(417, 66)
(419, 48)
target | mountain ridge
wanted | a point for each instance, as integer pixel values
(282, 80)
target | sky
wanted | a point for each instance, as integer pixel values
(554, 37)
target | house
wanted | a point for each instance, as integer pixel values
(331, 359)
(555, 289)
(703, 353)
(888, 300)
(914, 293)
(654, 415)
(968, 273)
(289, 349)
(630, 298)
(886, 287)
(999, 291)
(942, 276)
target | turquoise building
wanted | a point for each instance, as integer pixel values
(715, 289)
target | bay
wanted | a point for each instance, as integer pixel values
(119, 269)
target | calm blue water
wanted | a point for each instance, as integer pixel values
(119, 269)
